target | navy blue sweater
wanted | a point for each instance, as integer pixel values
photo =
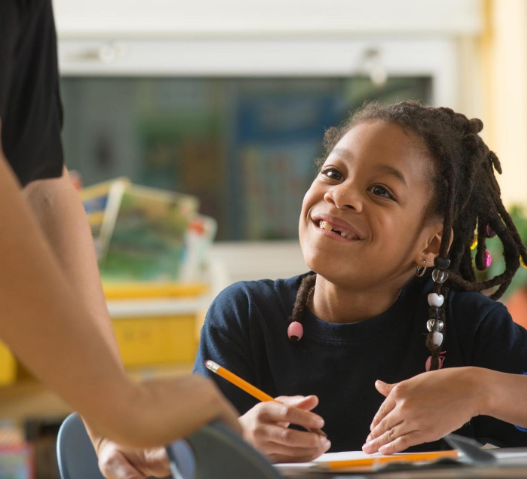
(246, 331)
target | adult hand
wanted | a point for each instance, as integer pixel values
(266, 426)
(158, 412)
(118, 462)
(424, 408)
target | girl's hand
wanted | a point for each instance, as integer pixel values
(266, 426)
(424, 408)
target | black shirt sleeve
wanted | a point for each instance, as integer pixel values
(500, 344)
(30, 107)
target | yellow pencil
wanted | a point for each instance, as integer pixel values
(245, 386)
(378, 461)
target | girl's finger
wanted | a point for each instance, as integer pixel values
(384, 388)
(386, 407)
(391, 419)
(295, 439)
(302, 402)
(281, 450)
(273, 412)
(403, 442)
(281, 453)
(401, 429)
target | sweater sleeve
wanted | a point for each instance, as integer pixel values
(501, 345)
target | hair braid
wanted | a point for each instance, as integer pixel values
(303, 297)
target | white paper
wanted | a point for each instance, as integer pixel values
(507, 457)
(510, 456)
(328, 457)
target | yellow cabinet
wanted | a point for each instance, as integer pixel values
(154, 324)
(156, 340)
(7, 366)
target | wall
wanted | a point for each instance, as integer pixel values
(203, 32)
(505, 74)
(291, 17)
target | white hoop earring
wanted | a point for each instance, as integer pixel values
(421, 270)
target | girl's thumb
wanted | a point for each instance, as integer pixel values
(384, 388)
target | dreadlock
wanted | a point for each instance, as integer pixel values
(466, 195)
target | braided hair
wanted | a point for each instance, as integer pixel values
(466, 195)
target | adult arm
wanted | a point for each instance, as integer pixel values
(73, 356)
(60, 214)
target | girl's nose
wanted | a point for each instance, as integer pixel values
(343, 199)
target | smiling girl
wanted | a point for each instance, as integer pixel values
(386, 229)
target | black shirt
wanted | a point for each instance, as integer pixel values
(30, 107)
(246, 332)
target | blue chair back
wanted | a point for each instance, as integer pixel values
(213, 452)
(75, 454)
(216, 452)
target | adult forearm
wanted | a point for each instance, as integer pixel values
(151, 413)
(504, 396)
(61, 216)
(44, 324)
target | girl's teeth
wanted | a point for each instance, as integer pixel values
(325, 225)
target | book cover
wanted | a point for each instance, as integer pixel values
(95, 199)
(143, 233)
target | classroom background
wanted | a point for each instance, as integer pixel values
(191, 130)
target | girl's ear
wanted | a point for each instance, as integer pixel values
(431, 249)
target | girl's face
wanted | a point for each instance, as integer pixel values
(363, 223)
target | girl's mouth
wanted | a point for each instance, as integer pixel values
(336, 232)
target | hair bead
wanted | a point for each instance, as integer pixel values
(439, 276)
(441, 263)
(304, 296)
(488, 258)
(435, 325)
(437, 339)
(295, 331)
(483, 259)
(436, 300)
(428, 364)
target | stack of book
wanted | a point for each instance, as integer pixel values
(147, 234)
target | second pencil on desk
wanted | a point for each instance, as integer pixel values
(247, 387)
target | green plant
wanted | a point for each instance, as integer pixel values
(519, 216)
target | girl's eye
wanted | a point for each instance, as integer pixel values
(332, 173)
(381, 191)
